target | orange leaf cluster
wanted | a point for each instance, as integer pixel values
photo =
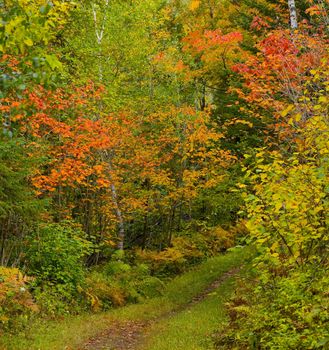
(278, 72)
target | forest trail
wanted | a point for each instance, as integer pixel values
(190, 309)
(137, 335)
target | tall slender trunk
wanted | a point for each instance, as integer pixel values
(99, 34)
(121, 234)
(145, 228)
(171, 225)
(99, 30)
(3, 242)
(293, 14)
(117, 210)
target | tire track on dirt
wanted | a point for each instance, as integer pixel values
(129, 335)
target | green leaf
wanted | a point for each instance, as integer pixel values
(28, 42)
(45, 8)
(287, 110)
(53, 62)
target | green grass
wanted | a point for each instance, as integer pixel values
(72, 331)
(192, 328)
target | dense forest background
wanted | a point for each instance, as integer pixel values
(139, 138)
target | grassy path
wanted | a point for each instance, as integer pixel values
(186, 327)
(185, 311)
(192, 328)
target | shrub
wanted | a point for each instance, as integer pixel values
(114, 268)
(16, 302)
(218, 240)
(102, 293)
(55, 259)
(139, 284)
(167, 262)
(288, 223)
(119, 283)
(187, 249)
(290, 313)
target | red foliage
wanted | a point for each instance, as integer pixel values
(277, 73)
(200, 41)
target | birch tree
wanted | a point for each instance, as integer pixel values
(100, 20)
(293, 14)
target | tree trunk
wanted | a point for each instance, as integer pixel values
(119, 216)
(293, 14)
(99, 34)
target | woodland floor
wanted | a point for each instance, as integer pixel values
(191, 309)
(133, 335)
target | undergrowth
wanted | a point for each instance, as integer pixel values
(72, 331)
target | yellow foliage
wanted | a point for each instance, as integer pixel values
(101, 293)
(288, 209)
(216, 239)
(194, 4)
(14, 295)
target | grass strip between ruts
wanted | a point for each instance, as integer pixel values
(72, 331)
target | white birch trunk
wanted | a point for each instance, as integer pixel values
(99, 34)
(119, 216)
(293, 14)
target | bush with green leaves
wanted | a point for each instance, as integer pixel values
(19, 208)
(289, 224)
(55, 258)
(117, 283)
(290, 312)
(16, 302)
(189, 248)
